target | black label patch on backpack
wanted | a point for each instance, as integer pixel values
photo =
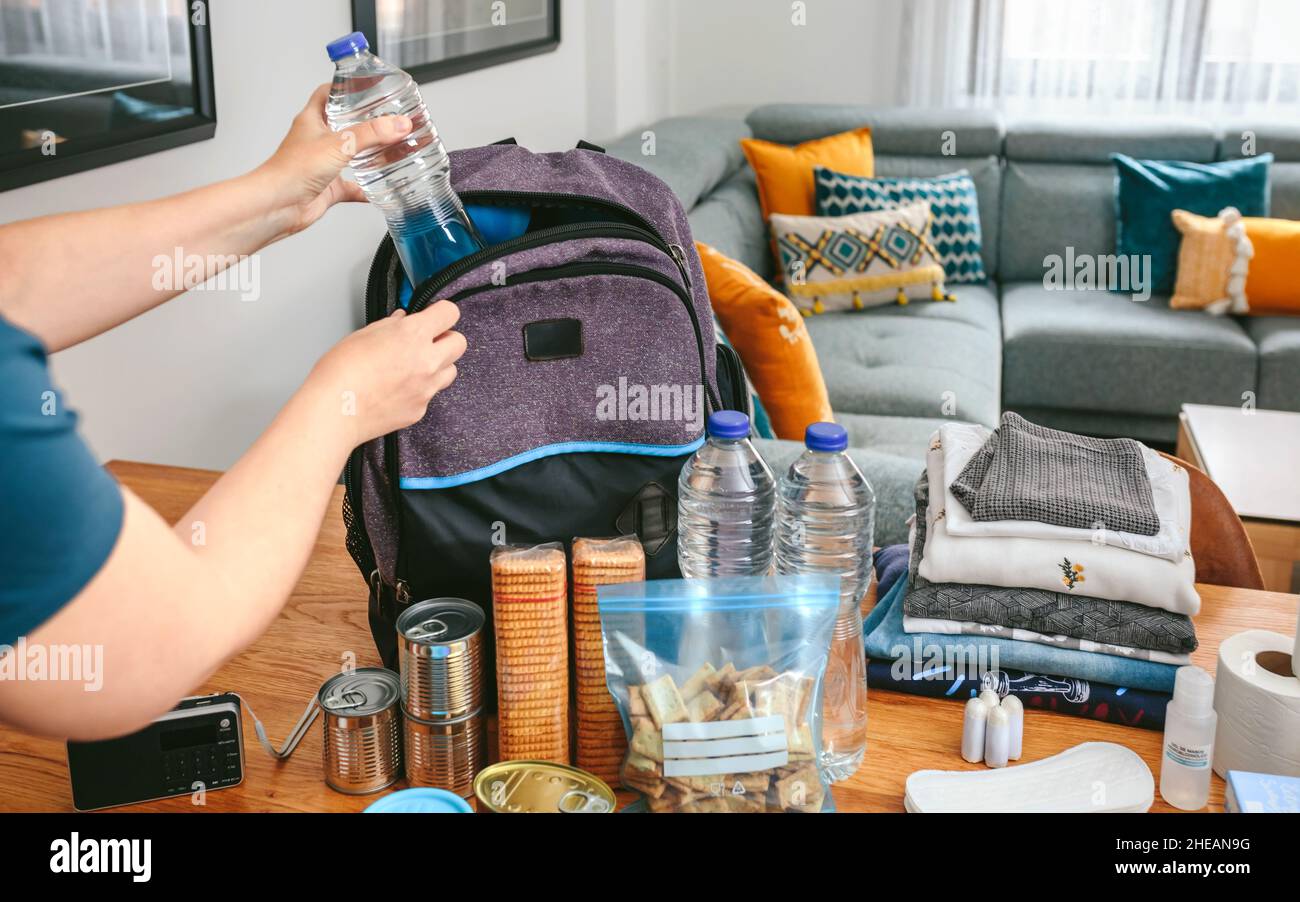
(553, 339)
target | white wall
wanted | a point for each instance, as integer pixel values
(630, 58)
(195, 381)
(735, 54)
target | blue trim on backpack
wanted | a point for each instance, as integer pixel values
(419, 483)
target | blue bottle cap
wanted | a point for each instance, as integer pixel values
(826, 437)
(728, 424)
(421, 801)
(346, 46)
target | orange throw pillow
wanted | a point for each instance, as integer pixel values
(785, 174)
(769, 334)
(1271, 281)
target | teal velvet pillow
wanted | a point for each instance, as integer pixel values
(1149, 191)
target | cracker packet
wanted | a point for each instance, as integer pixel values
(530, 608)
(600, 743)
(719, 685)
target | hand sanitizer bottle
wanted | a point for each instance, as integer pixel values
(1189, 740)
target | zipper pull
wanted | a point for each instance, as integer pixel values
(679, 254)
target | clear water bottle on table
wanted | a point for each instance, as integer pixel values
(825, 523)
(408, 182)
(725, 504)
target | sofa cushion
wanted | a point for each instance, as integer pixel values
(841, 263)
(1102, 351)
(1049, 207)
(900, 436)
(908, 131)
(954, 206)
(1278, 340)
(785, 174)
(768, 333)
(693, 154)
(926, 359)
(1242, 137)
(1150, 190)
(1249, 137)
(730, 221)
(1143, 427)
(1094, 140)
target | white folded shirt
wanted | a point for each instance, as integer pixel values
(1169, 492)
(971, 628)
(1058, 565)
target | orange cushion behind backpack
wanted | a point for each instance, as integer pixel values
(769, 334)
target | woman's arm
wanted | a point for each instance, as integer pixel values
(71, 277)
(172, 604)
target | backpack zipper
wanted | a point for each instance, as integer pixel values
(578, 270)
(545, 199)
(428, 290)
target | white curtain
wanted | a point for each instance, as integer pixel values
(1191, 56)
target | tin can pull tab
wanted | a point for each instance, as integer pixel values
(577, 801)
(432, 629)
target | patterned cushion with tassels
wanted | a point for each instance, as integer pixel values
(862, 260)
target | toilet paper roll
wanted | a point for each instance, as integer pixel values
(1258, 704)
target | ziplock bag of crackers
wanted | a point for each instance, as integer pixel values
(719, 683)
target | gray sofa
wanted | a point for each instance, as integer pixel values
(1087, 361)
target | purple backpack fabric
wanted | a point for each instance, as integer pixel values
(591, 368)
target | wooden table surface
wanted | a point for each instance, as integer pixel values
(324, 624)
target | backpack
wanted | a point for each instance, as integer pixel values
(591, 368)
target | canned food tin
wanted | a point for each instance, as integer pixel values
(441, 658)
(530, 787)
(363, 730)
(445, 754)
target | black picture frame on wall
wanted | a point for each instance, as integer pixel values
(459, 56)
(84, 123)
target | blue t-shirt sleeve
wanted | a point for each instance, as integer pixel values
(60, 512)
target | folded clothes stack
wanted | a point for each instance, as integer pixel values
(1060, 554)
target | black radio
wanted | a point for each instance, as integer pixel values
(199, 744)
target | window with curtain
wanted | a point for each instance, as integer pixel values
(1095, 55)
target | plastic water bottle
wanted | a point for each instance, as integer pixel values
(825, 522)
(725, 498)
(410, 181)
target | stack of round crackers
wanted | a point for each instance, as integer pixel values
(530, 611)
(601, 740)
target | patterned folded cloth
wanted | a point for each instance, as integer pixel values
(1030, 472)
(970, 628)
(1081, 698)
(1042, 611)
(884, 638)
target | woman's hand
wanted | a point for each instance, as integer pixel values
(303, 176)
(382, 377)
